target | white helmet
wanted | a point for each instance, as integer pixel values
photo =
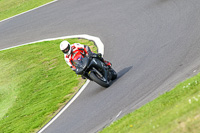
(65, 47)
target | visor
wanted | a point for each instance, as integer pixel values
(66, 50)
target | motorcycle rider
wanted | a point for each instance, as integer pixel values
(73, 51)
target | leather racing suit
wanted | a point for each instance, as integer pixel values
(83, 50)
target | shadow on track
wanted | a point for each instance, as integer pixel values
(121, 73)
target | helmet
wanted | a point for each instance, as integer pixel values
(65, 47)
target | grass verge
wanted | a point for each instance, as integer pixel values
(9, 8)
(35, 83)
(177, 111)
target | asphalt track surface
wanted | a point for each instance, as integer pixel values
(153, 44)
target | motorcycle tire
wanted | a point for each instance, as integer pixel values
(114, 74)
(99, 81)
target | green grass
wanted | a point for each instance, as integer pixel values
(9, 8)
(35, 83)
(177, 111)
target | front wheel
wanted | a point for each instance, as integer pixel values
(95, 78)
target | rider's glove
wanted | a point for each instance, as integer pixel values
(99, 55)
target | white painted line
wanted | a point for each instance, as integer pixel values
(118, 114)
(100, 47)
(70, 102)
(97, 41)
(29, 10)
(116, 117)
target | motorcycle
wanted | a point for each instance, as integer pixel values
(95, 70)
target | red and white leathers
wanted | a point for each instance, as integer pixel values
(77, 51)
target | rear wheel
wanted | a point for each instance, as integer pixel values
(114, 74)
(99, 80)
